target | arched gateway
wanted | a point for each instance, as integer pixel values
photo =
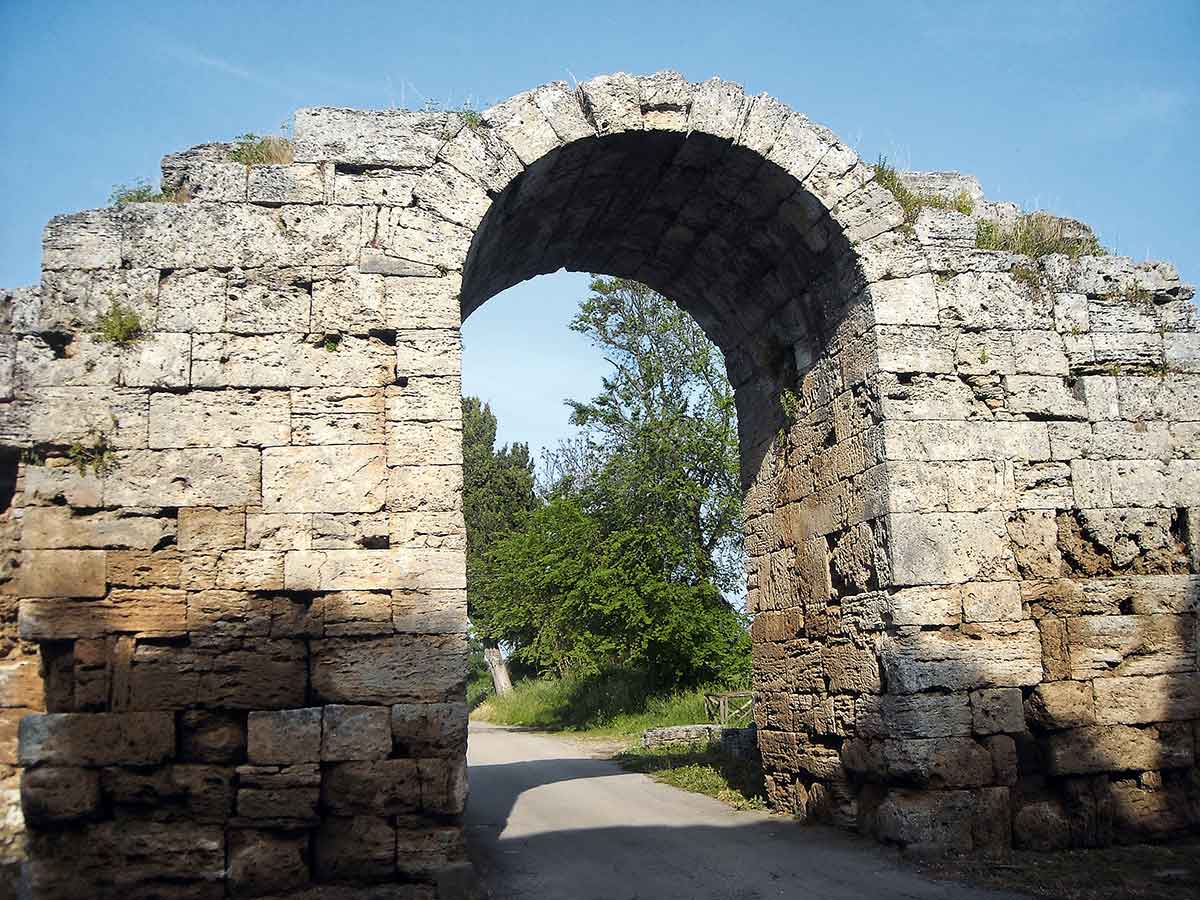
(972, 493)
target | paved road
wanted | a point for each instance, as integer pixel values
(548, 821)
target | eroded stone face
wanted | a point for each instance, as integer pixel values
(234, 639)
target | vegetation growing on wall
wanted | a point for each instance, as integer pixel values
(1037, 234)
(258, 150)
(912, 202)
(143, 192)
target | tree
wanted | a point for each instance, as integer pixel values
(497, 493)
(628, 562)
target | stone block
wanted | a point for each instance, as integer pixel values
(1061, 704)
(51, 795)
(210, 736)
(191, 300)
(996, 710)
(294, 183)
(1118, 748)
(1130, 645)
(145, 569)
(192, 477)
(219, 419)
(927, 606)
(324, 479)
(97, 739)
(358, 612)
(346, 531)
(366, 570)
(926, 821)
(58, 527)
(372, 787)
(399, 668)
(359, 848)
(1136, 700)
(443, 785)
(60, 573)
(941, 548)
(265, 862)
(290, 361)
(250, 570)
(153, 613)
(356, 733)
(205, 528)
(425, 400)
(297, 804)
(284, 736)
(159, 360)
(428, 352)
(430, 612)
(417, 443)
(1001, 655)
(423, 488)
(279, 531)
(429, 729)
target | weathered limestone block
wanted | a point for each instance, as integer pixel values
(346, 531)
(404, 668)
(927, 606)
(362, 848)
(219, 419)
(268, 300)
(278, 531)
(250, 570)
(211, 737)
(1150, 806)
(356, 733)
(414, 443)
(59, 527)
(205, 476)
(428, 352)
(206, 528)
(69, 415)
(347, 478)
(86, 240)
(97, 739)
(367, 137)
(284, 737)
(60, 481)
(1130, 645)
(998, 601)
(154, 613)
(298, 805)
(1061, 704)
(143, 569)
(350, 301)
(60, 573)
(272, 675)
(966, 440)
(1136, 700)
(429, 729)
(1101, 748)
(359, 570)
(290, 361)
(1000, 655)
(430, 611)
(191, 300)
(424, 488)
(265, 862)
(995, 710)
(913, 716)
(374, 187)
(425, 400)
(926, 821)
(358, 612)
(84, 361)
(56, 794)
(157, 360)
(949, 547)
(278, 184)
(938, 762)
(377, 786)
(949, 486)
(209, 235)
(443, 785)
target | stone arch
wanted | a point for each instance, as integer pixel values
(243, 614)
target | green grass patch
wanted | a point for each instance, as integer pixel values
(1036, 235)
(702, 769)
(912, 202)
(143, 192)
(258, 150)
(119, 325)
(613, 704)
(96, 455)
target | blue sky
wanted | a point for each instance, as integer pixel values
(1090, 109)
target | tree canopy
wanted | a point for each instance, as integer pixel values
(628, 555)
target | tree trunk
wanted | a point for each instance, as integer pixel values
(499, 668)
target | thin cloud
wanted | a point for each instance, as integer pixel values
(199, 59)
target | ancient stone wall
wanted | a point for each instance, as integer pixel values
(233, 634)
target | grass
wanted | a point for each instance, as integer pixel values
(119, 325)
(912, 202)
(143, 192)
(332, 343)
(1035, 234)
(258, 150)
(701, 769)
(98, 456)
(616, 704)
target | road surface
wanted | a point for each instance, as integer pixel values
(546, 820)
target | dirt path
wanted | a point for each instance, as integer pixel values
(547, 819)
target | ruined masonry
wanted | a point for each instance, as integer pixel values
(233, 639)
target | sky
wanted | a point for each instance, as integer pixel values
(1087, 109)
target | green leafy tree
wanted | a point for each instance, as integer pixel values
(497, 494)
(628, 562)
